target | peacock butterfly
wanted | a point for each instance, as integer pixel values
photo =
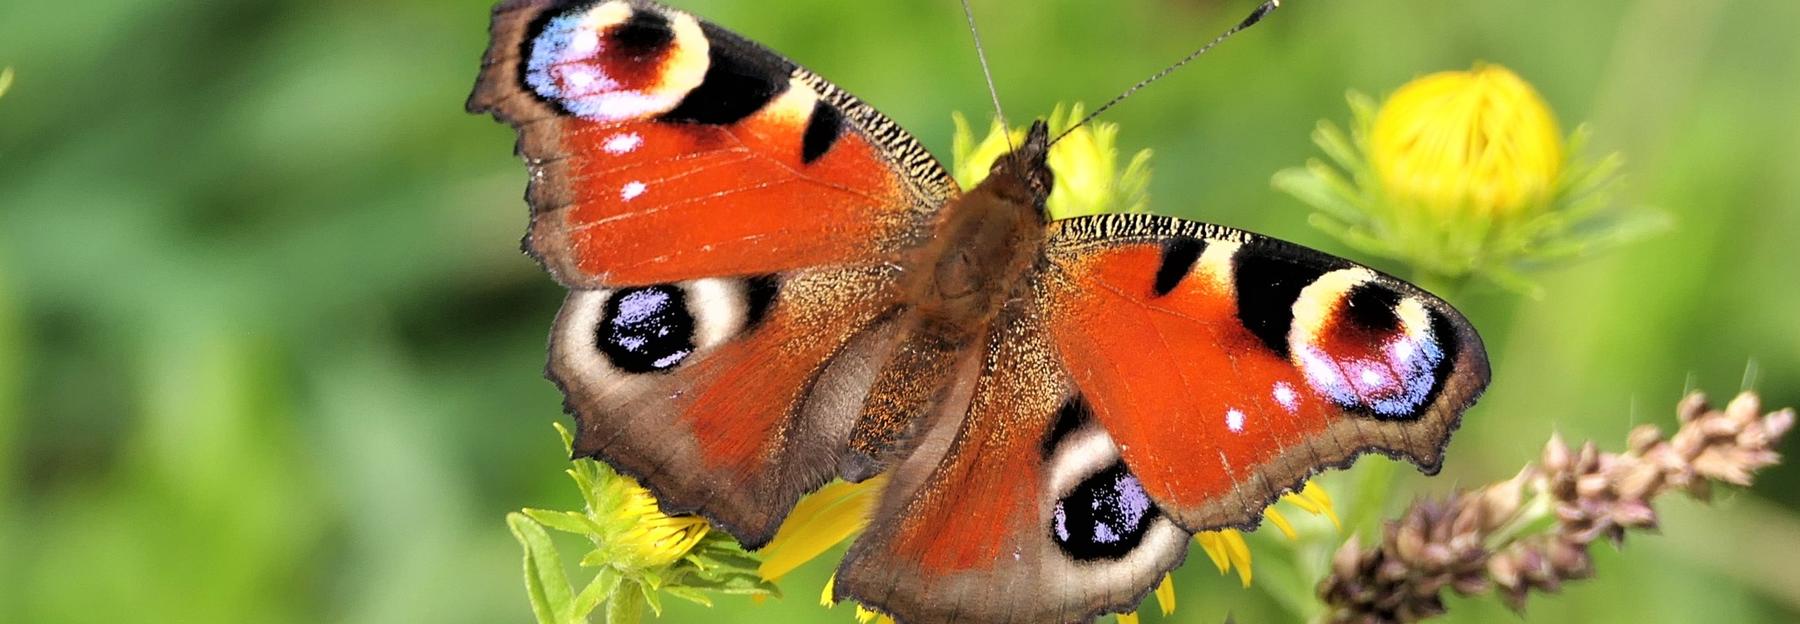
(772, 285)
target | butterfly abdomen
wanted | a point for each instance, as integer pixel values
(979, 258)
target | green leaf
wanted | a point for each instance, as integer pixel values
(735, 583)
(566, 521)
(652, 598)
(626, 604)
(690, 595)
(734, 558)
(545, 584)
(1336, 145)
(596, 559)
(603, 584)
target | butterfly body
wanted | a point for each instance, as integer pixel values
(773, 285)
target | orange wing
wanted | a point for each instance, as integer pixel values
(664, 148)
(1014, 507)
(1230, 366)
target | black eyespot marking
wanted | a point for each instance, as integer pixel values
(644, 37)
(759, 298)
(646, 330)
(1372, 307)
(823, 128)
(1178, 258)
(1267, 287)
(1074, 413)
(1105, 518)
(740, 81)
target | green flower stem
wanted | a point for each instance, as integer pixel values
(626, 604)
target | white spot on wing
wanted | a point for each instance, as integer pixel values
(625, 143)
(1285, 395)
(632, 190)
(1372, 378)
(1234, 420)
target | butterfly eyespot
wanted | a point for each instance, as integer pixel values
(646, 330)
(1105, 517)
(613, 62)
(1368, 347)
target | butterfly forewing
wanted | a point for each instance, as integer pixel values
(727, 220)
(663, 148)
(1230, 366)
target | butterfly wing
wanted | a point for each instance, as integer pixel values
(1230, 366)
(727, 221)
(1163, 377)
(728, 397)
(664, 148)
(1014, 507)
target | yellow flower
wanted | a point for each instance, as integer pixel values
(1086, 162)
(1480, 143)
(1464, 174)
(654, 539)
(638, 552)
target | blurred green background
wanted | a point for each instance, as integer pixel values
(269, 352)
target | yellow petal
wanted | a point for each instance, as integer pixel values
(1238, 551)
(1128, 618)
(1209, 542)
(825, 596)
(865, 616)
(1165, 594)
(1274, 517)
(1312, 492)
(820, 521)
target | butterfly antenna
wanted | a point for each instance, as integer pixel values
(1257, 15)
(981, 54)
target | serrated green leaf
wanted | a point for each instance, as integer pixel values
(545, 583)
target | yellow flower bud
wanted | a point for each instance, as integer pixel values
(650, 538)
(1479, 143)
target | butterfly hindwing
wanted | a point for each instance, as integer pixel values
(663, 148)
(730, 397)
(1014, 505)
(1230, 366)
